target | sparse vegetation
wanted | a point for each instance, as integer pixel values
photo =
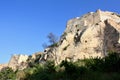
(53, 45)
(64, 34)
(107, 68)
(7, 74)
(53, 40)
(77, 37)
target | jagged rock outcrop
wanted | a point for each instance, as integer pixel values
(3, 66)
(91, 35)
(21, 62)
(18, 62)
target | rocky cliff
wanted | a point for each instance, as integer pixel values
(22, 61)
(18, 62)
(3, 66)
(92, 35)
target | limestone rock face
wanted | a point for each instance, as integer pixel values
(91, 35)
(18, 62)
(3, 66)
(21, 62)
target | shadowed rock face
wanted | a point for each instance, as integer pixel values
(91, 35)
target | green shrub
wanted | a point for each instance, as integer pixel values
(7, 73)
(50, 67)
(53, 45)
(107, 68)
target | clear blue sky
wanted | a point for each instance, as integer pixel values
(24, 24)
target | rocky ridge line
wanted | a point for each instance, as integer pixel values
(92, 35)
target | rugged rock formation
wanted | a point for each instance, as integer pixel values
(18, 62)
(22, 61)
(91, 35)
(3, 66)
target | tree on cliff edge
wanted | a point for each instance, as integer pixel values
(52, 38)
